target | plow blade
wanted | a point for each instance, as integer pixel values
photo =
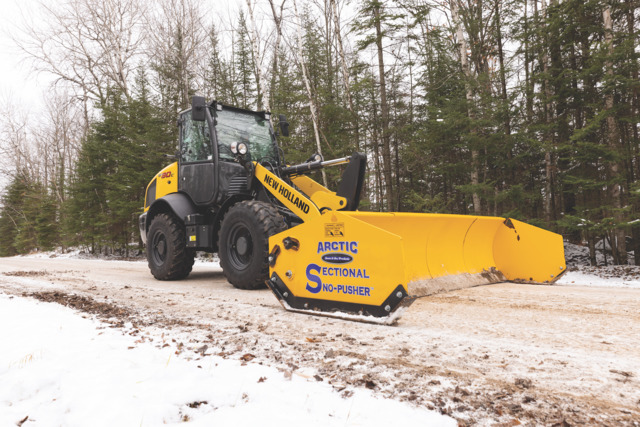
(371, 266)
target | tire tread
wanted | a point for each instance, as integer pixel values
(270, 223)
(183, 258)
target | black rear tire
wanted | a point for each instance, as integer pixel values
(244, 243)
(167, 252)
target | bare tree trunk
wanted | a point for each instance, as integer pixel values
(635, 110)
(327, 12)
(277, 20)
(411, 85)
(384, 110)
(375, 138)
(345, 70)
(548, 155)
(466, 69)
(591, 243)
(618, 244)
(260, 79)
(527, 62)
(503, 78)
(307, 84)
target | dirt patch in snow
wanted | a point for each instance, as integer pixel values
(26, 273)
(103, 310)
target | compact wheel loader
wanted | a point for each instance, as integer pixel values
(231, 192)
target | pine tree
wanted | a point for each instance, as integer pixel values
(245, 66)
(28, 217)
(13, 222)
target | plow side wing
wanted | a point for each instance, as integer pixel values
(372, 264)
(448, 252)
(528, 254)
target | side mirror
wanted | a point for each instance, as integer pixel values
(198, 106)
(284, 125)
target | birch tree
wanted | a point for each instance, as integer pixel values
(89, 44)
(276, 13)
(305, 76)
(263, 95)
(466, 71)
(346, 78)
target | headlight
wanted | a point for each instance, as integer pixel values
(234, 147)
(242, 148)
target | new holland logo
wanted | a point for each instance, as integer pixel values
(337, 258)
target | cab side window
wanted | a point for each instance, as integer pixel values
(195, 138)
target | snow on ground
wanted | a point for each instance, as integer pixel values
(579, 274)
(578, 255)
(599, 277)
(76, 253)
(582, 274)
(60, 368)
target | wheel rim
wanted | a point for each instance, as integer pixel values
(159, 248)
(240, 247)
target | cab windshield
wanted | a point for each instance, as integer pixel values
(250, 128)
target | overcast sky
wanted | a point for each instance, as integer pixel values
(16, 78)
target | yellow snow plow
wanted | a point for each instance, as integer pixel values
(374, 264)
(231, 192)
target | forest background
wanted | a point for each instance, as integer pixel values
(522, 108)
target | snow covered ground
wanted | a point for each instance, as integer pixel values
(62, 367)
(59, 367)
(599, 277)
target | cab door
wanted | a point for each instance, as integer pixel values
(196, 162)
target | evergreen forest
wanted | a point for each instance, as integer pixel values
(528, 109)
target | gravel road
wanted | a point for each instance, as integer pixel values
(504, 353)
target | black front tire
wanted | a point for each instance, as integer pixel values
(167, 252)
(244, 243)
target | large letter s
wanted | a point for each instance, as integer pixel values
(313, 278)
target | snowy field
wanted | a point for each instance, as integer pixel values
(61, 368)
(245, 361)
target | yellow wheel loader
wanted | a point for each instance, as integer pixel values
(231, 192)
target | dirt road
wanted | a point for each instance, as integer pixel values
(503, 353)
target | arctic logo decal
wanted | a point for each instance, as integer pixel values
(338, 246)
(337, 258)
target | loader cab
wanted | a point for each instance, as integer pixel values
(197, 166)
(209, 172)
(251, 128)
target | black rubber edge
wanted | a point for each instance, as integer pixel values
(278, 287)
